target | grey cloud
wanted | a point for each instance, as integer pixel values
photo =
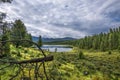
(65, 18)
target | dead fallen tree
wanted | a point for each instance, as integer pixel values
(36, 60)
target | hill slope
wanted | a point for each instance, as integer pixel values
(35, 39)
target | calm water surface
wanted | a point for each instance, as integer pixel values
(57, 48)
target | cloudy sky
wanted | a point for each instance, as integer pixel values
(64, 18)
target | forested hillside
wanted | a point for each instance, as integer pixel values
(102, 41)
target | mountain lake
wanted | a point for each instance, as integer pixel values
(57, 48)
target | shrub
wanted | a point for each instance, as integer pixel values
(25, 51)
(81, 55)
(109, 52)
(13, 52)
(19, 55)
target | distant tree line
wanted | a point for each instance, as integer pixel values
(102, 41)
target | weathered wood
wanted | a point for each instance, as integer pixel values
(45, 59)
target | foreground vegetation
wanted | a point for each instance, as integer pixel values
(86, 66)
(73, 65)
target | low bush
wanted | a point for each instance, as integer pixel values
(109, 52)
(81, 55)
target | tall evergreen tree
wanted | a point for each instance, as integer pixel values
(18, 31)
(40, 41)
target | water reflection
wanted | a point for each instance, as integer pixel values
(57, 48)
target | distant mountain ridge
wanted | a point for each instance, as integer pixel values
(35, 39)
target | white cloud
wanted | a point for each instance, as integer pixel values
(64, 18)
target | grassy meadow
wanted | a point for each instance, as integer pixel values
(74, 65)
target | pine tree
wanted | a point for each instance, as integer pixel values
(18, 32)
(40, 41)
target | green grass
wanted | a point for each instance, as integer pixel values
(95, 65)
(70, 66)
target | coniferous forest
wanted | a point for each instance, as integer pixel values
(102, 42)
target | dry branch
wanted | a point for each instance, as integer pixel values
(44, 59)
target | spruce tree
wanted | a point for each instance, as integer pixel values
(18, 32)
(40, 41)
